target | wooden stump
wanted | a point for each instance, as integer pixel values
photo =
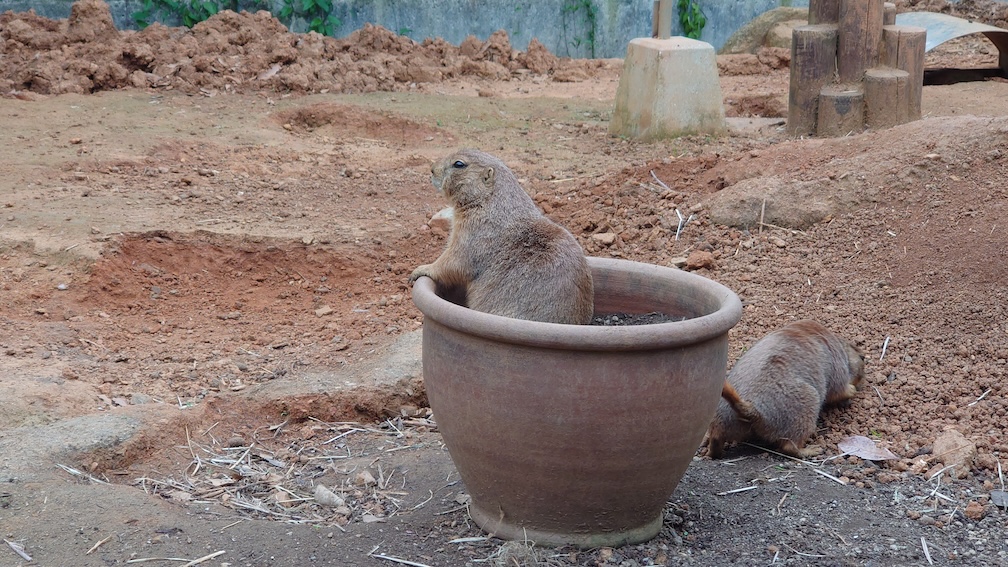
(841, 110)
(813, 64)
(903, 48)
(857, 48)
(888, 14)
(823, 12)
(885, 97)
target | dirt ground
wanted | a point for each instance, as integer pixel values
(205, 238)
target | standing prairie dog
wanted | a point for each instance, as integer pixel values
(503, 255)
(776, 389)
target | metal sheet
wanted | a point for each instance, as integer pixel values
(942, 27)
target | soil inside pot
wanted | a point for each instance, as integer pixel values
(623, 319)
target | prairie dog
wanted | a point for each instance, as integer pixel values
(503, 255)
(776, 389)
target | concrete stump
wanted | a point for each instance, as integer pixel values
(668, 88)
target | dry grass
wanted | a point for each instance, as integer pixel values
(270, 478)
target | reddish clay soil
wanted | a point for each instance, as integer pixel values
(205, 239)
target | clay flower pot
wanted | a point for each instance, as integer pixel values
(578, 434)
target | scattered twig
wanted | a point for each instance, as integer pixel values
(450, 510)
(659, 181)
(420, 505)
(396, 559)
(683, 221)
(831, 477)
(204, 558)
(879, 393)
(469, 539)
(76, 472)
(100, 543)
(243, 455)
(885, 345)
(18, 549)
(743, 489)
(927, 554)
(804, 554)
(781, 502)
(935, 492)
(779, 454)
(982, 396)
(232, 524)
(762, 211)
(189, 562)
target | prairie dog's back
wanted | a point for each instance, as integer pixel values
(777, 388)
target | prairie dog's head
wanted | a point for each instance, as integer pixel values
(856, 363)
(466, 176)
(843, 386)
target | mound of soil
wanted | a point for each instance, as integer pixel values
(245, 52)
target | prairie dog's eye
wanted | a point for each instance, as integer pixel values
(459, 164)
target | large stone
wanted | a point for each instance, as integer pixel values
(955, 451)
(668, 88)
(765, 30)
(784, 202)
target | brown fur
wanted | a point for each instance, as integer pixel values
(503, 255)
(775, 391)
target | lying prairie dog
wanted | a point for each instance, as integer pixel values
(776, 389)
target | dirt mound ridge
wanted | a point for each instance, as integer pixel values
(245, 52)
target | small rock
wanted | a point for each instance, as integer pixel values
(326, 497)
(700, 259)
(365, 478)
(975, 511)
(284, 498)
(678, 262)
(323, 311)
(605, 238)
(955, 451)
(778, 242)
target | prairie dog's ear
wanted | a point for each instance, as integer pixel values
(488, 176)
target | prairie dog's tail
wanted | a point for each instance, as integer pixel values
(744, 409)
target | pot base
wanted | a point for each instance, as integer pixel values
(498, 526)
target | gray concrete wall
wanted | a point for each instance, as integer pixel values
(562, 25)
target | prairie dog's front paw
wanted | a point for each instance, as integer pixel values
(424, 270)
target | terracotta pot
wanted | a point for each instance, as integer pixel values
(578, 434)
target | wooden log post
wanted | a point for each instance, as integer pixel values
(888, 14)
(885, 97)
(860, 33)
(902, 48)
(813, 64)
(841, 110)
(823, 12)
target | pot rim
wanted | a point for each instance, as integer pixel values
(592, 337)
